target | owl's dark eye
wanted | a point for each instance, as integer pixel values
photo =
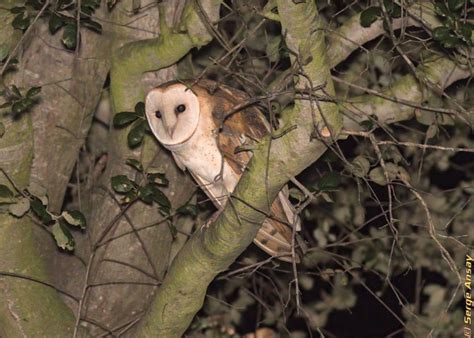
(158, 114)
(180, 108)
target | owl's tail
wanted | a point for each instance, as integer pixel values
(276, 234)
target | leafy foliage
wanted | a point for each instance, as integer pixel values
(18, 102)
(455, 31)
(139, 126)
(62, 14)
(35, 201)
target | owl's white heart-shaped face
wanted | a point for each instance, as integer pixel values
(173, 113)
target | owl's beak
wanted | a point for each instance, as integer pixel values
(170, 126)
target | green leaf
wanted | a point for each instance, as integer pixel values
(20, 208)
(20, 106)
(21, 21)
(92, 25)
(17, 9)
(40, 210)
(75, 218)
(466, 32)
(188, 209)
(16, 91)
(392, 8)
(70, 36)
(455, 5)
(330, 181)
(124, 118)
(135, 164)
(5, 192)
(62, 236)
(173, 230)
(33, 91)
(440, 33)
(140, 109)
(128, 197)
(136, 134)
(159, 197)
(154, 175)
(451, 42)
(2, 129)
(121, 184)
(441, 8)
(145, 194)
(369, 16)
(55, 23)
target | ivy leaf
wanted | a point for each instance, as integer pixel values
(136, 134)
(33, 91)
(122, 184)
(40, 210)
(62, 236)
(55, 23)
(20, 208)
(75, 218)
(135, 164)
(70, 36)
(330, 181)
(369, 16)
(124, 118)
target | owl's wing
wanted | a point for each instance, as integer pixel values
(275, 235)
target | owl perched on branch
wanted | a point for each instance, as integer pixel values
(188, 118)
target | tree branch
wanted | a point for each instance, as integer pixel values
(350, 36)
(404, 97)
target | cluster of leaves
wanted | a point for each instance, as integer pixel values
(62, 14)
(455, 31)
(19, 102)
(139, 127)
(147, 188)
(373, 13)
(35, 201)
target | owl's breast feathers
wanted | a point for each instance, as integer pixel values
(231, 131)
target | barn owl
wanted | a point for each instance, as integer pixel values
(187, 118)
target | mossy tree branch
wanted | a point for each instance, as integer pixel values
(209, 252)
(400, 101)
